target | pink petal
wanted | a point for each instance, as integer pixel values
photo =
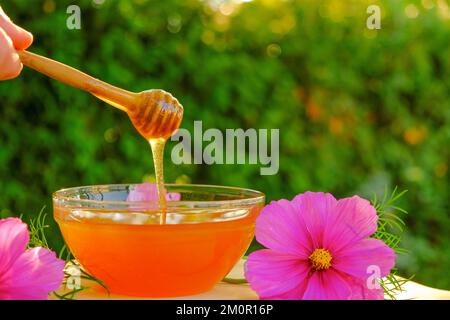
(173, 196)
(353, 219)
(148, 192)
(327, 285)
(145, 192)
(14, 238)
(275, 275)
(34, 274)
(279, 227)
(360, 291)
(314, 208)
(357, 258)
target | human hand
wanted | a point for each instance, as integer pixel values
(12, 38)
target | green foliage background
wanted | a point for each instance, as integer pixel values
(358, 109)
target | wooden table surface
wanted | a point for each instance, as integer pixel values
(227, 291)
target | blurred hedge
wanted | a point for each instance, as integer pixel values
(358, 109)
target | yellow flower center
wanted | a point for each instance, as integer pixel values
(320, 259)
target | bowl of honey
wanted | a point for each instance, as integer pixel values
(125, 243)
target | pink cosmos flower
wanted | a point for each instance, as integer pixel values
(147, 192)
(26, 274)
(318, 248)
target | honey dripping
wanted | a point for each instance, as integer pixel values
(157, 146)
(155, 114)
(156, 117)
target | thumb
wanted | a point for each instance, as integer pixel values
(21, 38)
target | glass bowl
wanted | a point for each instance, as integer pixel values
(122, 243)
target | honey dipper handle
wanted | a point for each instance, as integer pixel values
(117, 97)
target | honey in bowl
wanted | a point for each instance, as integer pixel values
(206, 231)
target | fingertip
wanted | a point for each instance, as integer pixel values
(12, 73)
(11, 65)
(23, 39)
(20, 37)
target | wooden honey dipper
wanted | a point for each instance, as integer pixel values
(154, 113)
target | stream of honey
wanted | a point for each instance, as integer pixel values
(157, 146)
(156, 116)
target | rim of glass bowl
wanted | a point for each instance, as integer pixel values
(65, 197)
